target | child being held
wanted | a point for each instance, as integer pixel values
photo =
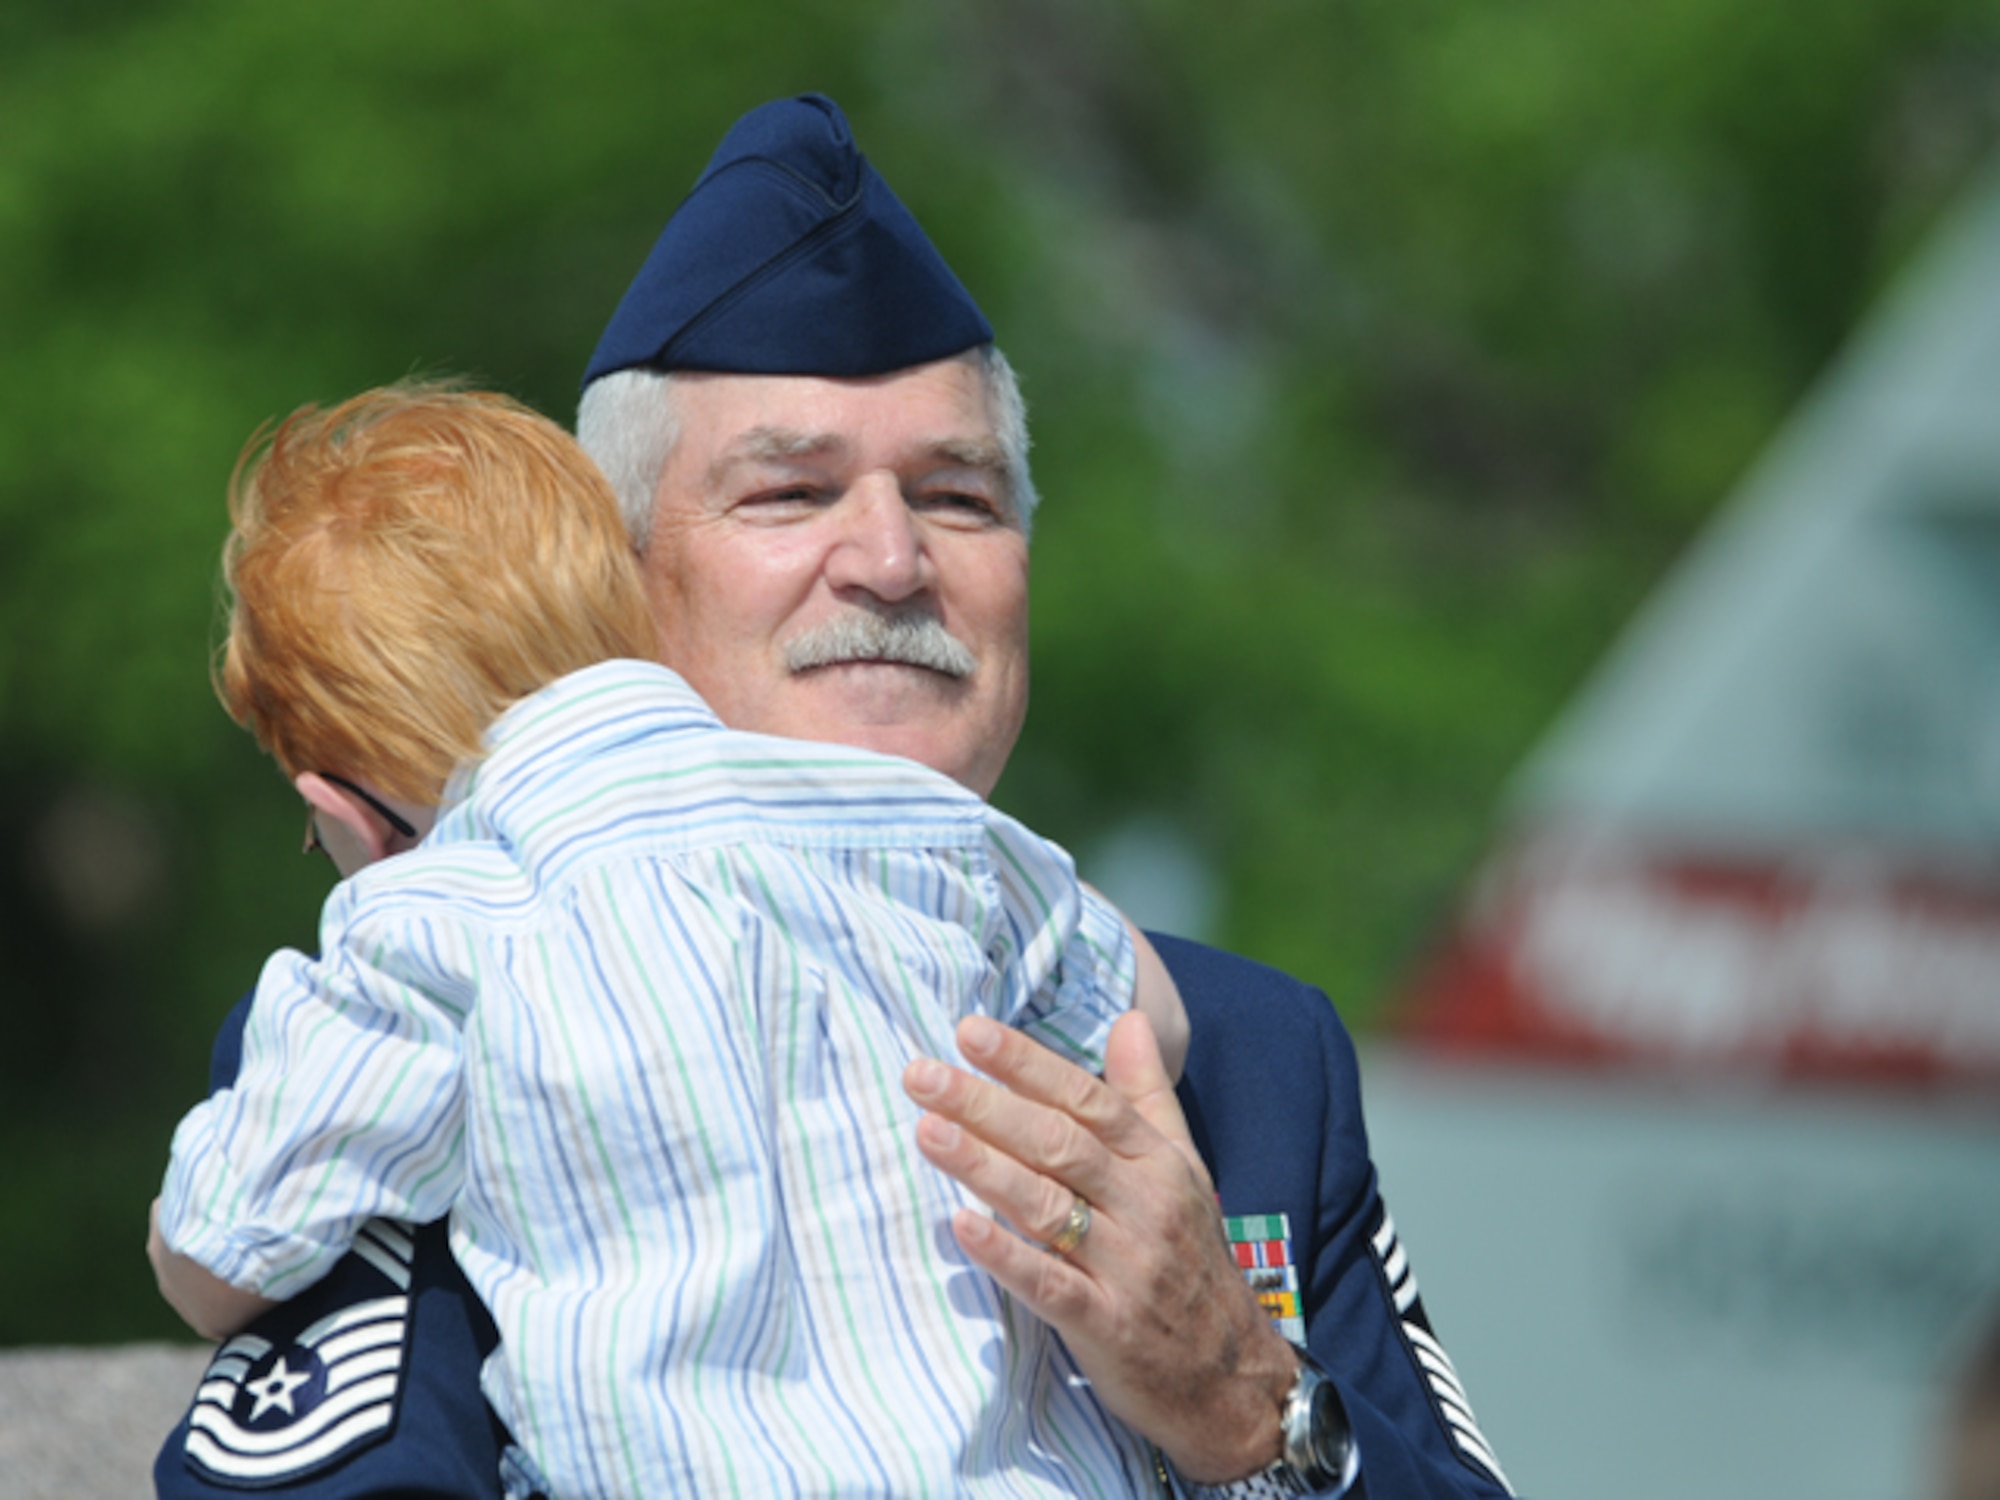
(632, 1001)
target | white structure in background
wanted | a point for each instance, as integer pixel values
(1718, 1183)
(1768, 833)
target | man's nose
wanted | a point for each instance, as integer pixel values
(881, 547)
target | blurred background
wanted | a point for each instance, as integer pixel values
(1387, 362)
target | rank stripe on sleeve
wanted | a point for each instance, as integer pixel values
(331, 1426)
(388, 1249)
(1447, 1391)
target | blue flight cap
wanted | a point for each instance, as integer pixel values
(790, 257)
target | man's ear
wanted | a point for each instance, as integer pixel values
(360, 830)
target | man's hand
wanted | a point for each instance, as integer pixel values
(1150, 1303)
(208, 1304)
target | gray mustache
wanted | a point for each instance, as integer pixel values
(913, 640)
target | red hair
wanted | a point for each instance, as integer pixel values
(404, 566)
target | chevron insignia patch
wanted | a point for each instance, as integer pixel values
(1448, 1396)
(272, 1413)
(1262, 1245)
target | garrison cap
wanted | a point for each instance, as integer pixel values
(791, 256)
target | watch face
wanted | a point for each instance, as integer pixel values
(1322, 1413)
(1326, 1434)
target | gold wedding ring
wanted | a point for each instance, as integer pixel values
(1075, 1227)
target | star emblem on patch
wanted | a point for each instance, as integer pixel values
(275, 1388)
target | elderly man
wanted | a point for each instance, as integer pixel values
(823, 462)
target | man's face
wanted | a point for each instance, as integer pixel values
(798, 515)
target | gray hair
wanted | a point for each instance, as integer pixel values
(862, 635)
(628, 424)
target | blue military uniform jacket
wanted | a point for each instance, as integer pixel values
(367, 1384)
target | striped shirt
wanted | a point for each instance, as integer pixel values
(636, 1013)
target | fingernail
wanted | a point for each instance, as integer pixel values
(973, 1229)
(978, 1036)
(923, 1078)
(939, 1135)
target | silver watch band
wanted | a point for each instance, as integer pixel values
(1279, 1482)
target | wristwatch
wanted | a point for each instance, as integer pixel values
(1318, 1455)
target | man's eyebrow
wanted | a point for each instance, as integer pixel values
(973, 453)
(771, 444)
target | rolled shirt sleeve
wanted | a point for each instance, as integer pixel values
(348, 1104)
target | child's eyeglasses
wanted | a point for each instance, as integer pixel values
(393, 818)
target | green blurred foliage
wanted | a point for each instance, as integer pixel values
(1382, 355)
